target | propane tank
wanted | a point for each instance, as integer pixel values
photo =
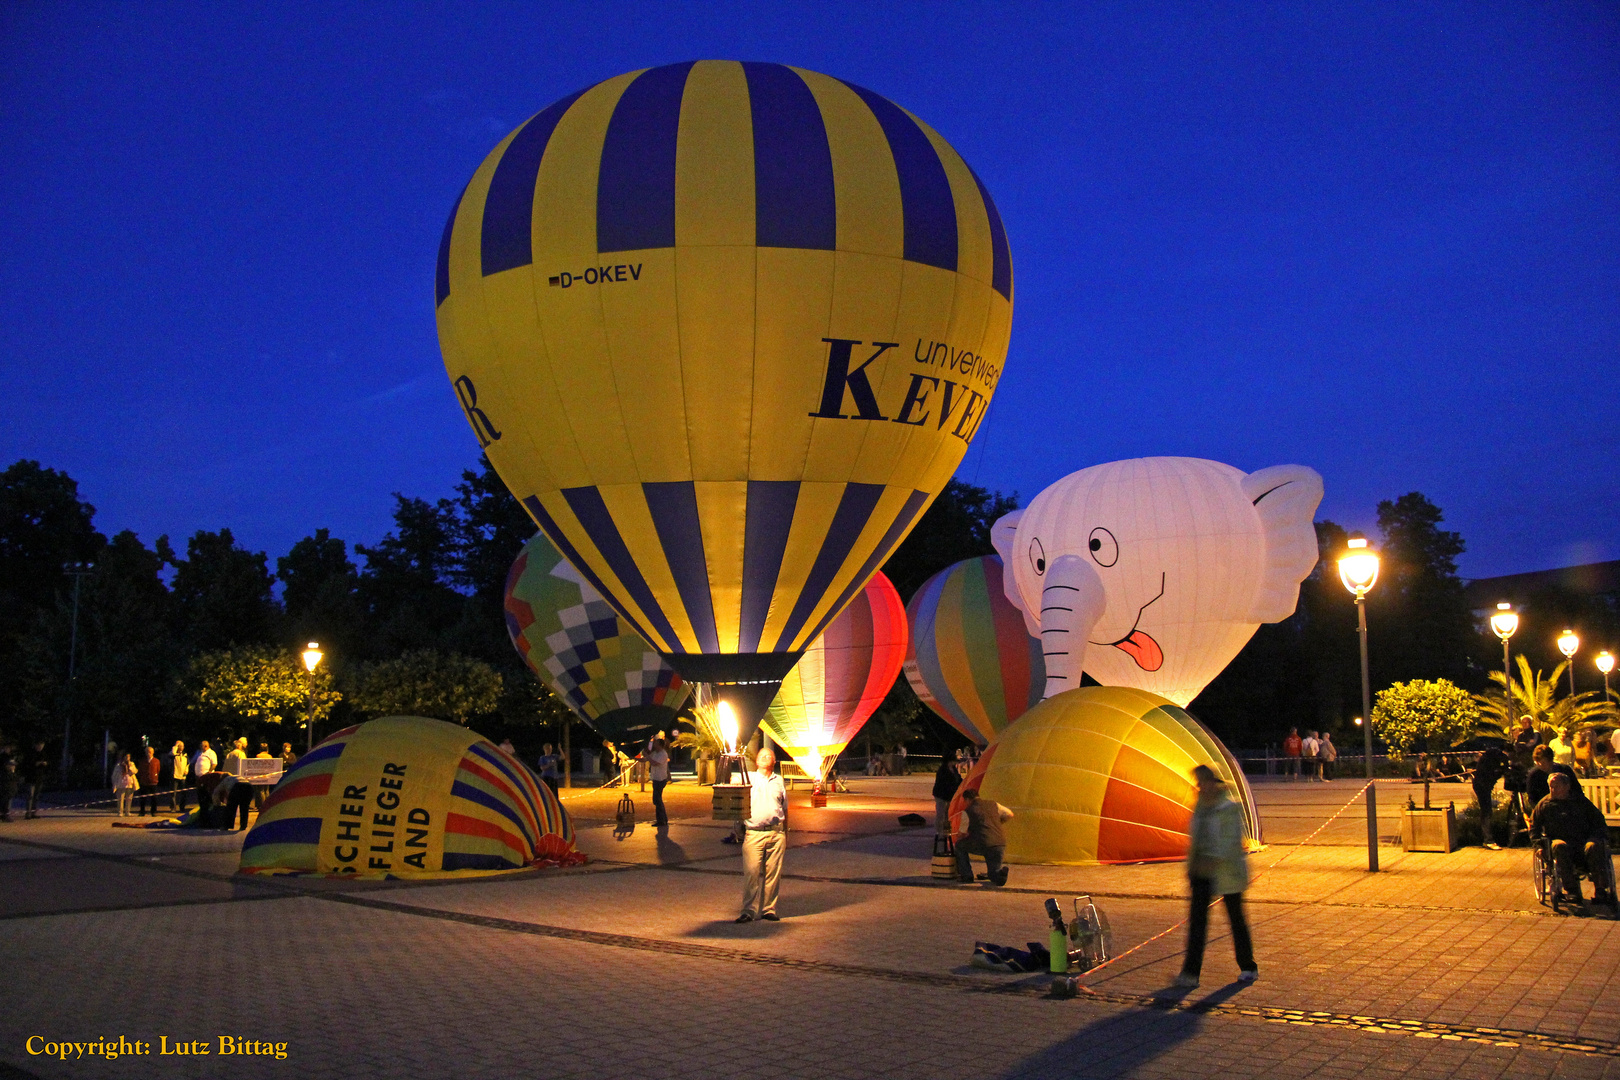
(1058, 940)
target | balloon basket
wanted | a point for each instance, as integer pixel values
(818, 796)
(731, 802)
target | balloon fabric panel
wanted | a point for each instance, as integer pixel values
(688, 282)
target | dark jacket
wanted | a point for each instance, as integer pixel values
(947, 780)
(1490, 768)
(1573, 820)
(984, 822)
(35, 767)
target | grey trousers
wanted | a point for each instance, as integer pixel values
(762, 870)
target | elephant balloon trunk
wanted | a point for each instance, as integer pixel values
(1072, 600)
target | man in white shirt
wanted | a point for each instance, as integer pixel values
(765, 840)
(1307, 754)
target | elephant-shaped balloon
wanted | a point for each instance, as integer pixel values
(1155, 572)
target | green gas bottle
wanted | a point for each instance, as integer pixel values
(1058, 940)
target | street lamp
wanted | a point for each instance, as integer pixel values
(1605, 664)
(312, 660)
(1503, 624)
(78, 571)
(1567, 644)
(1358, 569)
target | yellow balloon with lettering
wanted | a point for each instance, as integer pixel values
(725, 329)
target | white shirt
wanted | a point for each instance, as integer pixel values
(203, 763)
(1308, 747)
(659, 760)
(767, 803)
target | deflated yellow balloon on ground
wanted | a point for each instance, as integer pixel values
(408, 797)
(1103, 774)
(725, 329)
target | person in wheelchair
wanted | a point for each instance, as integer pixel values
(1573, 828)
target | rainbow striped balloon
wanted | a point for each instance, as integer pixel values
(842, 679)
(971, 660)
(408, 797)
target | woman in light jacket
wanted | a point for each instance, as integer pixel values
(125, 782)
(1217, 865)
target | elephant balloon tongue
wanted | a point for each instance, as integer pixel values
(1143, 649)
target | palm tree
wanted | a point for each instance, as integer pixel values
(1535, 695)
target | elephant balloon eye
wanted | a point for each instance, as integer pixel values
(1037, 556)
(1104, 548)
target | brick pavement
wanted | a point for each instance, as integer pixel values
(631, 967)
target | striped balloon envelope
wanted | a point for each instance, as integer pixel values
(408, 797)
(841, 679)
(1103, 774)
(725, 329)
(579, 647)
(971, 660)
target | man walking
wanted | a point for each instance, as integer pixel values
(1291, 749)
(981, 834)
(764, 840)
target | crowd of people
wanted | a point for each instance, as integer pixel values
(1312, 757)
(150, 781)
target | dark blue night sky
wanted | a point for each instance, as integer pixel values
(1380, 241)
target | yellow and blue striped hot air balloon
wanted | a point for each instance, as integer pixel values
(725, 329)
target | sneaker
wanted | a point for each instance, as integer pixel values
(1248, 975)
(745, 917)
(771, 916)
(1186, 981)
(1001, 878)
(1493, 847)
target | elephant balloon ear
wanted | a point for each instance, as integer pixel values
(1002, 535)
(1286, 498)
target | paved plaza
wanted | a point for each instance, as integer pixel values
(1441, 965)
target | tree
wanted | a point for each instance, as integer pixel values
(320, 593)
(955, 527)
(1418, 613)
(222, 592)
(1536, 696)
(43, 525)
(251, 686)
(406, 586)
(426, 682)
(1428, 715)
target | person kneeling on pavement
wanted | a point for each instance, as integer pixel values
(1574, 825)
(981, 835)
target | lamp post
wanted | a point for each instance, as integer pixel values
(77, 571)
(1358, 569)
(1605, 664)
(1503, 624)
(312, 660)
(1567, 644)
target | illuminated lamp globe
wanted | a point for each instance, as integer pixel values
(312, 657)
(1504, 622)
(1568, 643)
(1605, 662)
(1359, 569)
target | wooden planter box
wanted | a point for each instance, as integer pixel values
(1429, 830)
